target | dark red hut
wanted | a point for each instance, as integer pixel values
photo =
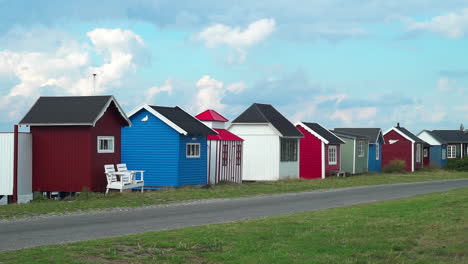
(73, 138)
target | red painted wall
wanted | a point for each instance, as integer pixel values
(427, 159)
(110, 124)
(335, 167)
(401, 150)
(310, 156)
(65, 158)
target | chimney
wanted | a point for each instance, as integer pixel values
(398, 125)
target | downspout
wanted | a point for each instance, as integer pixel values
(412, 157)
(461, 151)
(354, 156)
(15, 165)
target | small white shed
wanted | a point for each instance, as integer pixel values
(271, 144)
(7, 167)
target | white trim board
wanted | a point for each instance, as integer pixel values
(159, 116)
(308, 129)
(399, 132)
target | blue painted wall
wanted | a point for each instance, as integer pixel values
(374, 164)
(193, 171)
(436, 155)
(160, 151)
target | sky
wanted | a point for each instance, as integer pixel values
(341, 63)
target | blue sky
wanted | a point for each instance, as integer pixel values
(340, 63)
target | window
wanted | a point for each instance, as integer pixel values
(105, 144)
(451, 151)
(332, 155)
(193, 150)
(225, 153)
(418, 152)
(238, 154)
(361, 149)
(288, 149)
(377, 151)
(444, 154)
(425, 153)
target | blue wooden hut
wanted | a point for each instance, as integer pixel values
(167, 143)
(445, 145)
(376, 141)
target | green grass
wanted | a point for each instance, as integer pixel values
(98, 201)
(430, 228)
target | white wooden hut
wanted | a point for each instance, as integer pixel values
(271, 144)
(21, 155)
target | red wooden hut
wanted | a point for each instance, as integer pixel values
(319, 153)
(73, 138)
(224, 150)
(403, 145)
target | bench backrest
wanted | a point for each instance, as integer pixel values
(122, 167)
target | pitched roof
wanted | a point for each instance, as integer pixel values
(406, 133)
(69, 110)
(451, 136)
(211, 115)
(434, 135)
(372, 133)
(348, 135)
(266, 113)
(322, 132)
(223, 134)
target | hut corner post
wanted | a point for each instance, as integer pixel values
(15, 165)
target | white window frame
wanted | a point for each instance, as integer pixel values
(377, 151)
(332, 159)
(451, 149)
(425, 152)
(195, 155)
(361, 150)
(418, 152)
(110, 150)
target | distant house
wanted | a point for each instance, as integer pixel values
(224, 150)
(72, 139)
(271, 144)
(376, 141)
(446, 144)
(401, 144)
(167, 143)
(319, 151)
(354, 153)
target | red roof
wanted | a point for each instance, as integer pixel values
(223, 134)
(211, 115)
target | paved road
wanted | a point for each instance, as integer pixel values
(71, 228)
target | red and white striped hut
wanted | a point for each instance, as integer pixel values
(224, 150)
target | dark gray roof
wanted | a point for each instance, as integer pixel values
(435, 136)
(265, 113)
(410, 135)
(323, 132)
(184, 120)
(348, 135)
(69, 110)
(451, 136)
(372, 133)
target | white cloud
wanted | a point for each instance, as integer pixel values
(67, 70)
(443, 84)
(237, 38)
(155, 90)
(350, 115)
(452, 25)
(211, 93)
(310, 110)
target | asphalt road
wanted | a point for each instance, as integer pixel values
(70, 228)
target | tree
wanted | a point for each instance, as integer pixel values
(462, 128)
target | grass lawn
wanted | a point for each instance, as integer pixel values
(430, 228)
(98, 201)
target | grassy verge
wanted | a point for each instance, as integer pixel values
(429, 228)
(98, 201)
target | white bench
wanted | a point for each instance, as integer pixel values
(122, 180)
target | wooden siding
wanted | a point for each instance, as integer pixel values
(193, 171)
(400, 150)
(231, 169)
(152, 146)
(310, 158)
(361, 163)
(261, 152)
(436, 156)
(6, 163)
(347, 155)
(375, 165)
(109, 124)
